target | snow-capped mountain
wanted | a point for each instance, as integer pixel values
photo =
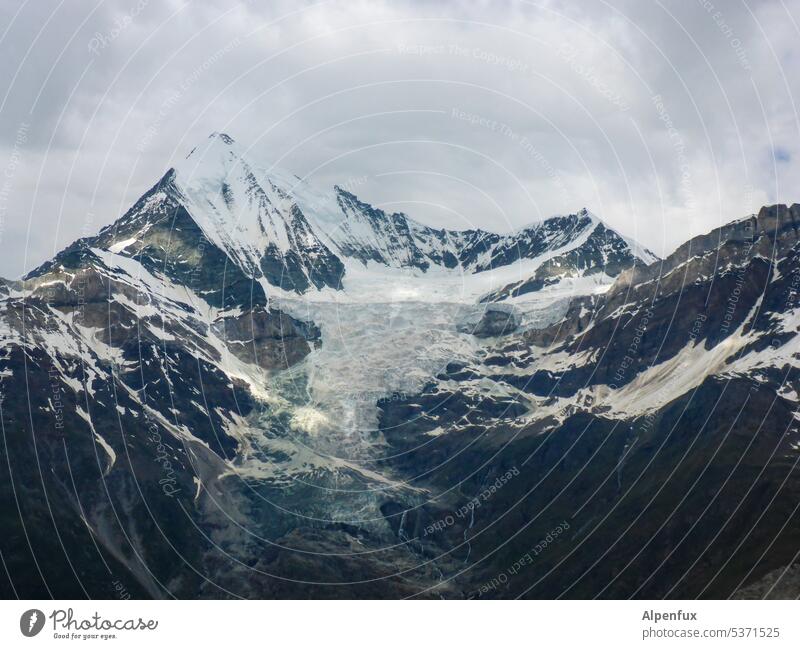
(290, 237)
(250, 386)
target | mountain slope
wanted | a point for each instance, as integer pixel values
(660, 423)
(250, 387)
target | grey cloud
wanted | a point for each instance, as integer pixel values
(666, 119)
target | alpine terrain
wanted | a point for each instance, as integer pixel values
(248, 386)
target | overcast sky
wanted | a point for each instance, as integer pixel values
(665, 119)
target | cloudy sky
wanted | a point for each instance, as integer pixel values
(665, 118)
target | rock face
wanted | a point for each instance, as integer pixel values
(494, 321)
(602, 251)
(246, 386)
(782, 583)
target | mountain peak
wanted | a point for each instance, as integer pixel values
(280, 231)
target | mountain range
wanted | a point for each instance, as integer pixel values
(248, 386)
